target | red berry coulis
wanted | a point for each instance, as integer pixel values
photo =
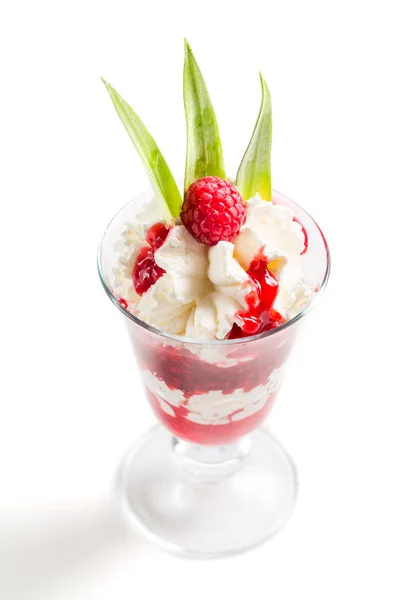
(182, 370)
(146, 271)
(260, 315)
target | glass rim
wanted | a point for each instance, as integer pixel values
(226, 342)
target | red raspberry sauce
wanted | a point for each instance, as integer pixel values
(181, 369)
(260, 315)
(156, 235)
(146, 271)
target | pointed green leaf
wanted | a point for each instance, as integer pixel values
(203, 148)
(157, 169)
(254, 174)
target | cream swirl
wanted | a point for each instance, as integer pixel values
(204, 289)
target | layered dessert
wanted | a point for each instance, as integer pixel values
(210, 271)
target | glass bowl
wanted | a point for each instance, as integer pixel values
(209, 481)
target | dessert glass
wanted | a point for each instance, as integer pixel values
(210, 481)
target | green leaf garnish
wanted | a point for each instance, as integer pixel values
(157, 169)
(254, 174)
(203, 143)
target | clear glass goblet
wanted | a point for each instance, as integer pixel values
(210, 481)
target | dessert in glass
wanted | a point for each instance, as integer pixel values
(212, 288)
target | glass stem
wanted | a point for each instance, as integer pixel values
(210, 464)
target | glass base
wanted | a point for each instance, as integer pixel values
(236, 498)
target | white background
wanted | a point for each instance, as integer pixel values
(70, 398)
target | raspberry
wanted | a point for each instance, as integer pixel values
(213, 210)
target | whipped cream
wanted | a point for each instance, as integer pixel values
(213, 408)
(271, 227)
(204, 289)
